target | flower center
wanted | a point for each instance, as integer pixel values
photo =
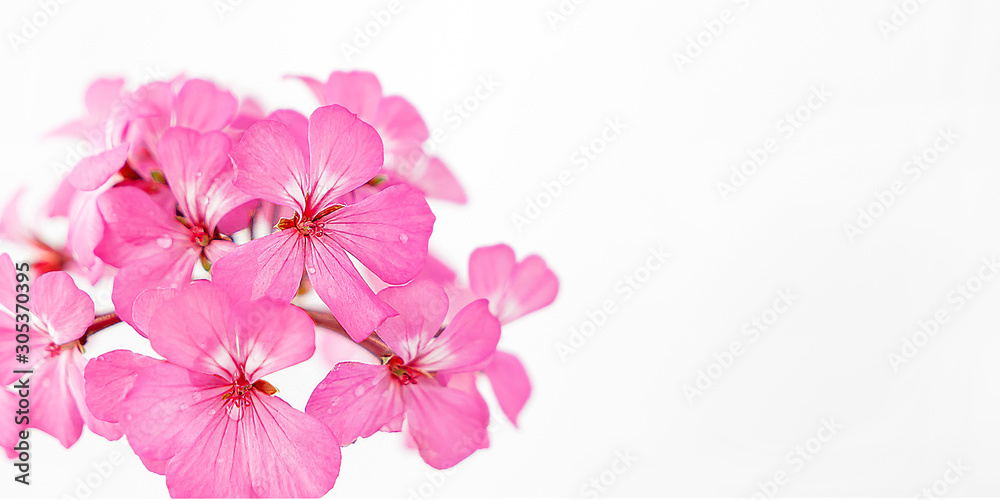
(200, 237)
(405, 374)
(312, 226)
(239, 396)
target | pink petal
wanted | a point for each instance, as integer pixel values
(173, 271)
(8, 283)
(197, 330)
(102, 95)
(166, 409)
(387, 232)
(146, 303)
(437, 271)
(344, 153)
(11, 227)
(59, 202)
(108, 379)
(510, 382)
(397, 120)
(358, 91)
(53, 408)
(86, 228)
(298, 125)
(273, 451)
(315, 86)
(467, 344)
(422, 306)
(108, 430)
(202, 106)
(273, 335)
(340, 286)
(92, 172)
(61, 309)
(532, 286)
(438, 182)
(218, 249)
(238, 218)
(200, 174)
(136, 228)
(276, 262)
(489, 271)
(356, 400)
(447, 424)
(270, 165)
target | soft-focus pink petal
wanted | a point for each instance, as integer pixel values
(273, 335)
(356, 400)
(447, 424)
(60, 308)
(11, 227)
(421, 305)
(265, 267)
(270, 165)
(340, 286)
(202, 106)
(510, 382)
(532, 286)
(399, 121)
(196, 329)
(438, 182)
(238, 218)
(109, 377)
(218, 249)
(59, 202)
(273, 451)
(315, 86)
(489, 271)
(466, 345)
(344, 153)
(53, 409)
(8, 283)
(166, 409)
(93, 171)
(101, 96)
(387, 232)
(108, 430)
(358, 91)
(136, 228)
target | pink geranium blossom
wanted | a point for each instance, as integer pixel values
(387, 232)
(205, 417)
(60, 314)
(446, 423)
(402, 129)
(154, 247)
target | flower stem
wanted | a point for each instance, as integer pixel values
(372, 344)
(100, 322)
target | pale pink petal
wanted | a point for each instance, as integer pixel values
(166, 409)
(447, 424)
(108, 430)
(466, 345)
(532, 286)
(315, 86)
(399, 121)
(217, 249)
(8, 283)
(344, 153)
(146, 303)
(270, 165)
(136, 228)
(273, 335)
(489, 271)
(275, 264)
(272, 451)
(438, 182)
(358, 91)
(466, 382)
(238, 218)
(421, 305)
(202, 106)
(60, 308)
(437, 271)
(510, 382)
(59, 202)
(101, 96)
(196, 329)
(93, 171)
(298, 125)
(11, 227)
(356, 400)
(387, 232)
(53, 408)
(151, 273)
(340, 286)
(86, 228)
(109, 377)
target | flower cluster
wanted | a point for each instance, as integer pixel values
(214, 223)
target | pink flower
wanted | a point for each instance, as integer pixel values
(446, 423)
(387, 232)
(402, 130)
(60, 314)
(513, 288)
(205, 417)
(152, 246)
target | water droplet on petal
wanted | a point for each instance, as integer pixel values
(403, 238)
(128, 416)
(202, 199)
(311, 270)
(164, 241)
(358, 391)
(235, 412)
(211, 412)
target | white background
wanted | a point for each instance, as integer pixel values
(656, 185)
